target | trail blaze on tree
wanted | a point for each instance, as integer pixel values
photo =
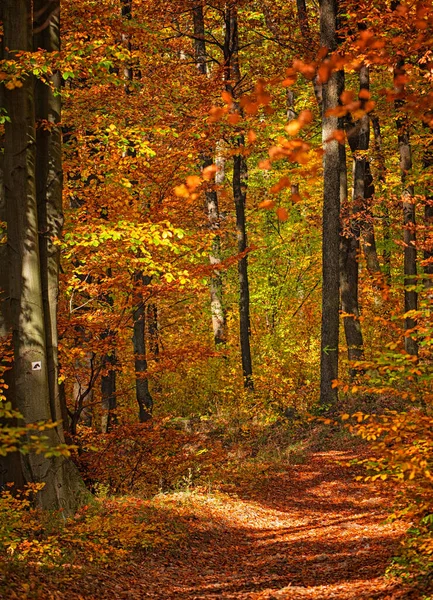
(189, 189)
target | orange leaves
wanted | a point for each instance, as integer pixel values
(284, 182)
(282, 213)
(192, 182)
(305, 117)
(267, 204)
(251, 136)
(209, 172)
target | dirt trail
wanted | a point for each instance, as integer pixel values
(310, 532)
(304, 531)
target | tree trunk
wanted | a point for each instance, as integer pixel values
(349, 273)
(49, 187)
(331, 214)
(427, 163)
(386, 219)
(143, 395)
(409, 225)
(239, 194)
(28, 296)
(232, 78)
(216, 286)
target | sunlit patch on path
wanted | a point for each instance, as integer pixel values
(308, 532)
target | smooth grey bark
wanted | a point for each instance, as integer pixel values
(211, 195)
(10, 465)
(63, 486)
(409, 224)
(331, 92)
(49, 186)
(143, 395)
(232, 77)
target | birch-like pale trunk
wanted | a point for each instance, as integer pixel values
(211, 196)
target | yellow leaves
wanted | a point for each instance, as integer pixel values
(293, 127)
(181, 191)
(305, 117)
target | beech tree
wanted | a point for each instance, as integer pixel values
(332, 167)
(32, 207)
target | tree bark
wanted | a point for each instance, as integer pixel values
(232, 78)
(143, 395)
(427, 163)
(409, 225)
(331, 214)
(349, 274)
(216, 285)
(31, 322)
(49, 186)
(386, 219)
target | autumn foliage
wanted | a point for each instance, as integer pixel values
(197, 195)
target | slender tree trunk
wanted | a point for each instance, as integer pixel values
(427, 164)
(143, 395)
(331, 213)
(349, 273)
(232, 78)
(409, 225)
(216, 285)
(239, 194)
(386, 219)
(108, 387)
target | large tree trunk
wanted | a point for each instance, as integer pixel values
(331, 214)
(32, 319)
(10, 465)
(409, 225)
(49, 186)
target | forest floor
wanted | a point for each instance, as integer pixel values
(309, 530)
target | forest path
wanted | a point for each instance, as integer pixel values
(310, 531)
